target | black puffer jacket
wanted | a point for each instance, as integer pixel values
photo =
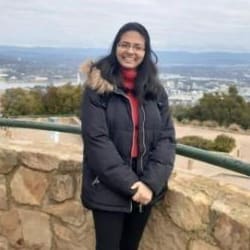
(107, 131)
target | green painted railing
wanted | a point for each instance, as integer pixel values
(51, 126)
(184, 150)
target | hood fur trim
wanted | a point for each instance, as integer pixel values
(94, 79)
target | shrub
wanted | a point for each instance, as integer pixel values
(224, 143)
(235, 127)
(195, 123)
(210, 124)
(185, 121)
(52, 100)
(196, 141)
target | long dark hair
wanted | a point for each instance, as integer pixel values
(147, 82)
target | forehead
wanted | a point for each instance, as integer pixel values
(132, 37)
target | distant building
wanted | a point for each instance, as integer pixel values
(180, 99)
(41, 78)
(58, 77)
(170, 84)
(13, 78)
(4, 76)
(184, 98)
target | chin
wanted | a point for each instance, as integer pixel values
(128, 66)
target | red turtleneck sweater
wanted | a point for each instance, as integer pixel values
(129, 76)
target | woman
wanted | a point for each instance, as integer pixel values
(129, 140)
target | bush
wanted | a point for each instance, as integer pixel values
(52, 100)
(185, 121)
(224, 143)
(195, 123)
(235, 127)
(210, 124)
(196, 141)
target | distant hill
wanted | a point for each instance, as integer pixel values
(203, 58)
(48, 55)
(77, 55)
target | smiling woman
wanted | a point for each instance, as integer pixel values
(129, 140)
(130, 50)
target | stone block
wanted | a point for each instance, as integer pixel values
(39, 161)
(8, 160)
(28, 186)
(75, 238)
(230, 234)
(70, 165)
(61, 187)
(11, 228)
(70, 212)
(36, 229)
(161, 233)
(231, 215)
(189, 213)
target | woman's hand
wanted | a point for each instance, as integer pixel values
(143, 193)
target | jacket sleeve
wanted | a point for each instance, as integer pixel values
(100, 152)
(161, 160)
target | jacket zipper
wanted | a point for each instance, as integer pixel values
(143, 144)
(144, 148)
(123, 95)
(131, 203)
(143, 138)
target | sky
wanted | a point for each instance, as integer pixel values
(186, 25)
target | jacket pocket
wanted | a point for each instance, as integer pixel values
(159, 196)
(102, 194)
(95, 181)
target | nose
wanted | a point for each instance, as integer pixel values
(131, 49)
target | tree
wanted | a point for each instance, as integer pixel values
(52, 100)
(20, 102)
(224, 108)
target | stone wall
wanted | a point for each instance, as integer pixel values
(40, 207)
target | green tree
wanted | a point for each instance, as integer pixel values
(20, 102)
(52, 100)
(224, 108)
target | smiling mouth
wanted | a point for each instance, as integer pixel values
(129, 59)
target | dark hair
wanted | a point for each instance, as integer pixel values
(147, 82)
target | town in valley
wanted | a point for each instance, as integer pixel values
(186, 76)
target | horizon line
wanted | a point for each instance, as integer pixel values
(99, 48)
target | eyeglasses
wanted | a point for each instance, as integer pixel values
(127, 46)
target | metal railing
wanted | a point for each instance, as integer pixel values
(184, 150)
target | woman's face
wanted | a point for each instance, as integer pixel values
(130, 50)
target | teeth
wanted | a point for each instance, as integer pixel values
(129, 59)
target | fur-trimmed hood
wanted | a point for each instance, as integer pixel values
(94, 79)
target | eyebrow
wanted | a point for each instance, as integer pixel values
(132, 43)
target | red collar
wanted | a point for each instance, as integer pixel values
(129, 76)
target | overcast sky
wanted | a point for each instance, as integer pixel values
(190, 25)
